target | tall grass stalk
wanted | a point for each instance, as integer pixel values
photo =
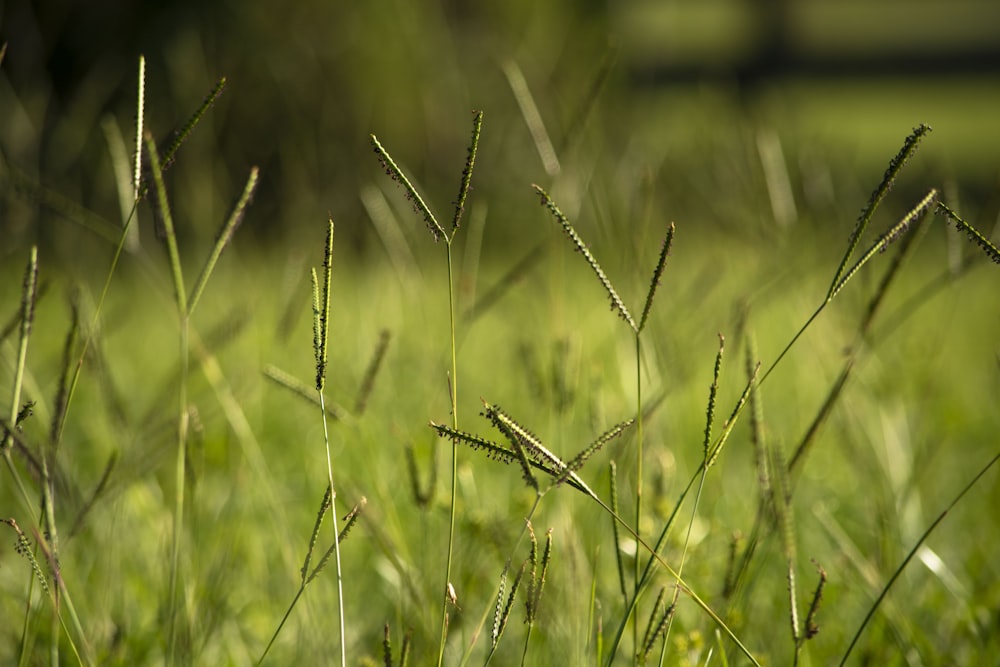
(162, 209)
(438, 232)
(321, 329)
(618, 304)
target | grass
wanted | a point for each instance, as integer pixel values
(779, 402)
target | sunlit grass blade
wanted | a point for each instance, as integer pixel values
(499, 609)
(500, 453)
(140, 117)
(532, 445)
(532, 117)
(974, 234)
(419, 205)
(581, 247)
(891, 235)
(895, 165)
(161, 209)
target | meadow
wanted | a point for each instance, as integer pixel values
(729, 443)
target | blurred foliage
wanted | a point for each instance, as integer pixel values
(308, 82)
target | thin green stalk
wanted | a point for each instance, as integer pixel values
(438, 232)
(163, 211)
(707, 461)
(453, 391)
(321, 329)
(308, 575)
(336, 544)
(638, 474)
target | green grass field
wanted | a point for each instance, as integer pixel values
(166, 453)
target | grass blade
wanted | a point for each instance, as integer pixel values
(890, 235)
(974, 234)
(395, 173)
(532, 118)
(581, 247)
(895, 165)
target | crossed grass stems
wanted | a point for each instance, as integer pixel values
(522, 447)
(775, 508)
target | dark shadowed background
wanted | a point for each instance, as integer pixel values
(701, 102)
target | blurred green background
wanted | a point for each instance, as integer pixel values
(694, 101)
(761, 128)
